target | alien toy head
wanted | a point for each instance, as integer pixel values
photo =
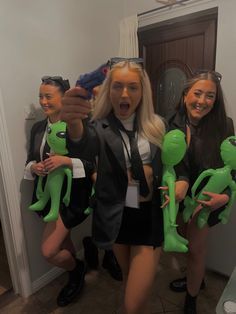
(56, 138)
(228, 152)
(173, 147)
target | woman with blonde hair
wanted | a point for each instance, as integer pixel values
(125, 137)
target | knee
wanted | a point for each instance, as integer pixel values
(48, 252)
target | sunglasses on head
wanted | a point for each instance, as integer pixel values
(58, 79)
(214, 73)
(116, 60)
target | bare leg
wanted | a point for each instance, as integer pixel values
(122, 253)
(57, 246)
(196, 256)
(140, 272)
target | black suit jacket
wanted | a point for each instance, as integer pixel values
(102, 140)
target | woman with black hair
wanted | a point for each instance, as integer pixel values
(57, 247)
(201, 115)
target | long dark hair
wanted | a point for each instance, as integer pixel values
(212, 129)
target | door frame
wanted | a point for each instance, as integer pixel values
(157, 39)
(10, 213)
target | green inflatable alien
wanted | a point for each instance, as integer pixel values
(90, 209)
(52, 190)
(219, 180)
(173, 150)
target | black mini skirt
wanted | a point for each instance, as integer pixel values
(73, 214)
(141, 226)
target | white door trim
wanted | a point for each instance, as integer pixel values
(11, 215)
(169, 13)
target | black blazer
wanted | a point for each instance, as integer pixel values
(190, 167)
(36, 137)
(103, 140)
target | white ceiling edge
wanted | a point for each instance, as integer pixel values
(172, 12)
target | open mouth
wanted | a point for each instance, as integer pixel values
(124, 108)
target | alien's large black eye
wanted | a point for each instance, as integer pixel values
(233, 141)
(49, 130)
(61, 134)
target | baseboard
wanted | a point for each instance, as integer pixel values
(46, 278)
(50, 276)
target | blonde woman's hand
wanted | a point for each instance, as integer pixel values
(164, 190)
(181, 189)
(75, 108)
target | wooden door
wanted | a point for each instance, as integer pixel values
(173, 51)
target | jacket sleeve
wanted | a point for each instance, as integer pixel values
(30, 153)
(87, 147)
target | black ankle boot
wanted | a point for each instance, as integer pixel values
(190, 306)
(74, 285)
(180, 285)
(110, 263)
(90, 253)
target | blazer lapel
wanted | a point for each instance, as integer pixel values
(114, 142)
(153, 149)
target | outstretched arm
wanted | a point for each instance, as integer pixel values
(75, 108)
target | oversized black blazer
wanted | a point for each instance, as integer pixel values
(101, 139)
(36, 137)
(81, 187)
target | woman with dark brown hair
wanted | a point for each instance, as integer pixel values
(201, 115)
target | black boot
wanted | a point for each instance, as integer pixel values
(180, 285)
(90, 253)
(190, 306)
(110, 263)
(74, 285)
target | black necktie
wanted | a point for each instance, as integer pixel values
(136, 161)
(46, 150)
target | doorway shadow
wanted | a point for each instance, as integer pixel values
(5, 276)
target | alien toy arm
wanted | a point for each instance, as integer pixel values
(39, 190)
(203, 175)
(172, 211)
(66, 198)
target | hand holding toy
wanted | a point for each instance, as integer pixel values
(52, 190)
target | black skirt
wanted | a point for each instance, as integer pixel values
(73, 214)
(141, 226)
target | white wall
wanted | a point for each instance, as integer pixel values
(56, 37)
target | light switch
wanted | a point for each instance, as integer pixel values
(29, 112)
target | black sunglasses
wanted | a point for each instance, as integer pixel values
(214, 73)
(58, 79)
(116, 60)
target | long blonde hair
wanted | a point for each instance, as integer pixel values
(150, 125)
